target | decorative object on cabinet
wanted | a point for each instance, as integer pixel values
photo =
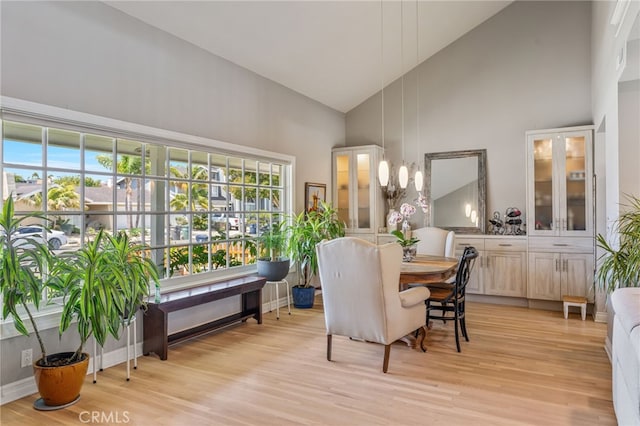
(513, 221)
(314, 194)
(454, 179)
(620, 267)
(497, 225)
(356, 196)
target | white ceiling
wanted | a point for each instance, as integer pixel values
(329, 51)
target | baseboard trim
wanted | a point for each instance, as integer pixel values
(279, 302)
(25, 387)
(608, 349)
(601, 317)
(18, 389)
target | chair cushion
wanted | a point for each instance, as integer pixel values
(439, 294)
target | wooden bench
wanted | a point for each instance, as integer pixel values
(155, 327)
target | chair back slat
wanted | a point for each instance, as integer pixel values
(465, 266)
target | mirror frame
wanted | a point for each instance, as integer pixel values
(481, 155)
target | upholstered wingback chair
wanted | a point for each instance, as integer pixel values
(435, 241)
(361, 296)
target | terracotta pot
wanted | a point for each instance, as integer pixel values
(60, 385)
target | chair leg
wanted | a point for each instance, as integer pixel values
(423, 333)
(385, 363)
(328, 347)
(456, 321)
(463, 324)
(428, 303)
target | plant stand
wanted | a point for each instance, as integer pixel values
(276, 284)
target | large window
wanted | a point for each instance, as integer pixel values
(198, 210)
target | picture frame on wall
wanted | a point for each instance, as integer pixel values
(314, 193)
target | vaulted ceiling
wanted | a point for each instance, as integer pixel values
(330, 51)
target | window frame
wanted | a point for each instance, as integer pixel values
(46, 116)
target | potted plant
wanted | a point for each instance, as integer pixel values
(272, 263)
(408, 245)
(100, 284)
(305, 231)
(620, 266)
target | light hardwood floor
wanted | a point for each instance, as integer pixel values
(521, 367)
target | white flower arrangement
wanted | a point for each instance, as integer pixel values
(406, 211)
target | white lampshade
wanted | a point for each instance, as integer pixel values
(419, 181)
(473, 216)
(403, 176)
(467, 210)
(383, 173)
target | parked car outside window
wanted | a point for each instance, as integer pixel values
(56, 239)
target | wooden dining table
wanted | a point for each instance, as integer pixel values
(427, 269)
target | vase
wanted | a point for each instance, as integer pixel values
(406, 229)
(408, 253)
(391, 227)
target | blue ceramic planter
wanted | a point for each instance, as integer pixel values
(303, 297)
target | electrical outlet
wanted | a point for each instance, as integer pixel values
(27, 358)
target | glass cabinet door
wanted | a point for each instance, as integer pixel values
(575, 179)
(342, 171)
(560, 184)
(363, 191)
(543, 184)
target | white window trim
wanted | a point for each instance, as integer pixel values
(15, 109)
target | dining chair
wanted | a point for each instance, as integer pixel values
(435, 241)
(450, 297)
(361, 295)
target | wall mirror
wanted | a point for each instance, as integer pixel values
(456, 189)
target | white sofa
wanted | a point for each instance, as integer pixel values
(626, 355)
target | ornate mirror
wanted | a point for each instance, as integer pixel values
(456, 189)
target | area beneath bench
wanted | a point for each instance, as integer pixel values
(156, 318)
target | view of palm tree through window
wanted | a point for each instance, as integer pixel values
(197, 211)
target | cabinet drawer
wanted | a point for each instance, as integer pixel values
(506, 244)
(462, 242)
(561, 245)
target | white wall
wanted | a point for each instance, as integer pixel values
(91, 58)
(606, 49)
(526, 68)
(629, 142)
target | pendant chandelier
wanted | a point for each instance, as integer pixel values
(383, 167)
(403, 173)
(418, 180)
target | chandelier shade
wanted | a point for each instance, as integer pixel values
(383, 173)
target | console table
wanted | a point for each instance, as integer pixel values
(155, 327)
